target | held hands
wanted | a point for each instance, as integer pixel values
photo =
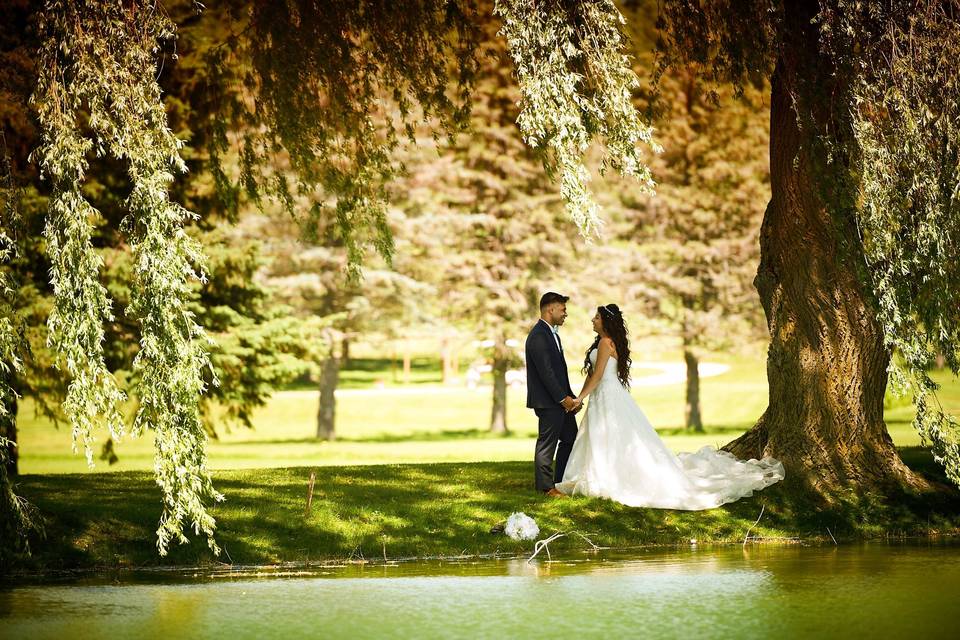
(579, 406)
(572, 404)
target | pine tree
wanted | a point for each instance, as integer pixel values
(310, 276)
(700, 232)
(494, 223)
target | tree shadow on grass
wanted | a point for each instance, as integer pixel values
(419, 510)
(410, 436)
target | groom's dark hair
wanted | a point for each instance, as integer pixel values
(550, 297)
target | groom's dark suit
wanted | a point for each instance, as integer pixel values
(547, 385)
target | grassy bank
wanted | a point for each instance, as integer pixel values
(416, 473)
(420, 510)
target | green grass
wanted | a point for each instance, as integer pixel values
(420, 510)
(426, 423)
(430, 423)
(456, 481)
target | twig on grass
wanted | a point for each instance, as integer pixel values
(762, 507)
(313, 477)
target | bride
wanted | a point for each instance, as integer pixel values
(618, 454)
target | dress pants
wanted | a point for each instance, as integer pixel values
(558, 430)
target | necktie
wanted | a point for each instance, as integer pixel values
(559, 343)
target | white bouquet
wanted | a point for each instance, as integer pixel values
(520, 526)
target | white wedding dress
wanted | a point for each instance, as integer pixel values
(618, 455)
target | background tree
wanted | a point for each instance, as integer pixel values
(315, 86)
(309, 277)
(700, 232)
(491, 223)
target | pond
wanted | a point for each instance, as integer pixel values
(879, 590)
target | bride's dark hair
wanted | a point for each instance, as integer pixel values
(616, 329)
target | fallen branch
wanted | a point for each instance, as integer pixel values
(589, 541)
(762, 507)
(313, 477)
(544, 544)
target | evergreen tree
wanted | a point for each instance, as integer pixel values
(700, 232)
(491, 223)
(308, 276)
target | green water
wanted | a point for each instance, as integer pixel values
(876, 590)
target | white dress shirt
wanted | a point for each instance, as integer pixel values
(554, 331)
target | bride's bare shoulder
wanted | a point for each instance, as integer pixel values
(609, 346)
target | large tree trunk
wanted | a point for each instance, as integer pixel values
(501, 361)
(826, 364)
(326, 414)
(691, 412)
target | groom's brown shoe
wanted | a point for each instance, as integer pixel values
(553, 493)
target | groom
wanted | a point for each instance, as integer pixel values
(549, 393)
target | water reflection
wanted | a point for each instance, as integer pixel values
(782, 592)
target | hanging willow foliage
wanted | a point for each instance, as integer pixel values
(10, 342)
(576, 85)
(330, 90)
(97, 93)
(17, 517)
(892, 131)
(905, 117)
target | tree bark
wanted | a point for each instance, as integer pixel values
(691, 414)
(941, 361)
(501, 361)
(445, 360)
(326, 414)
(826, 364)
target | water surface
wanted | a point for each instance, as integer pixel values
(873, 590)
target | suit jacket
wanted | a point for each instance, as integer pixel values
(547, 379)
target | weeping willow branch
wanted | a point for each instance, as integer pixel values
(81, 304)
(330, 90)
(906, 122)
(576, 85)
(98, 66)
(891, 130)
(17, 517)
